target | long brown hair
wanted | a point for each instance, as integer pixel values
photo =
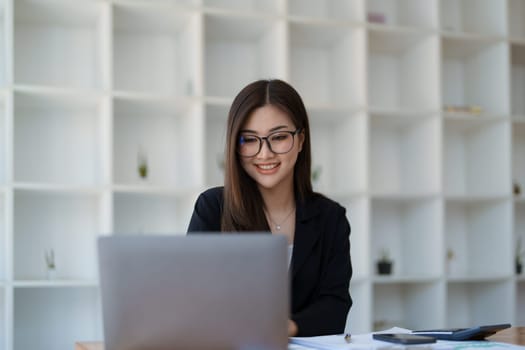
(243, 204)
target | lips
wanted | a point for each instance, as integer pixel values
(267, 168)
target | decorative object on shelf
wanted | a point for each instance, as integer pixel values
(520, 253)
(316, 174)
(516, 189)
(452, 267)
(384, 264)
(50, 264)
(142, 164)
(220, 161)
(459, 109)
(376, 17)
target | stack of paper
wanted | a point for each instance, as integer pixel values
(366, 342)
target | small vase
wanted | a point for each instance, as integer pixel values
(143, 170)
(384, 267)
(51, 274)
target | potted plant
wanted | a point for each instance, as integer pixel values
(384, 264)
(316, 173)
(516, 189)
(519, 257)
(142, 161)
(452, 266)
(50, 264)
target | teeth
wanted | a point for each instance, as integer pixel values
(267, 167)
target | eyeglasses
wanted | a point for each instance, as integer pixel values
(278, 142)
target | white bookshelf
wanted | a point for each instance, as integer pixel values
(339, 135)
(157, 43)
(407, 230)
(67, 38)
(469, 147)
(408, 150)
(417, 119)
(476, 229)
(483, 17)
(57, 137)
(465, 298)
(35, 307)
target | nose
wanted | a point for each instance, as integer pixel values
(265, 151)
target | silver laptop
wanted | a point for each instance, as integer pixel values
(208, 291)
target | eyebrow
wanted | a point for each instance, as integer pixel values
(271, 130)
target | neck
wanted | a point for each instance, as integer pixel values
(279, 199)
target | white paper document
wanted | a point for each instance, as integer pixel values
(366, 342)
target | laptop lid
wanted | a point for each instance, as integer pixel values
(212, 291)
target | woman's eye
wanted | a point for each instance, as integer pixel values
(279, 137)
(247, 139)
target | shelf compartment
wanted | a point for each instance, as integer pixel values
(403, 13)
(410, 233)
(341, 10)
(475, 74)
(476, 230)
(339, 143)
(57, 138)
(156, 49)
(59, 43)
(66, 223)
(215, 140)
(56, 318)
(516, 13)
(404, 149)
(479, 303)
(151, 214)
(518, 80)
(333, 56)
(400, 305)
(267, 7)
(239, 50)
(359, 319)
(403, 70)
(484, 17)
(468, 148)
(161, 134)
(518, 156)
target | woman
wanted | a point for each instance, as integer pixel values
(268, 188)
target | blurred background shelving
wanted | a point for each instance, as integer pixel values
(418, 128)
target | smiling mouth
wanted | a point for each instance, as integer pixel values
(267, 166)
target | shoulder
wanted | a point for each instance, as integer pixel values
(325, 214)
(324, 205)
(211, 199)
(206, 216)
(213, 194)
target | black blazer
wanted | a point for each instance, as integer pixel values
(321, 267)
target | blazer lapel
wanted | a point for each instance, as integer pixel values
(306, 233)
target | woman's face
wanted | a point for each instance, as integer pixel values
(270, 170)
